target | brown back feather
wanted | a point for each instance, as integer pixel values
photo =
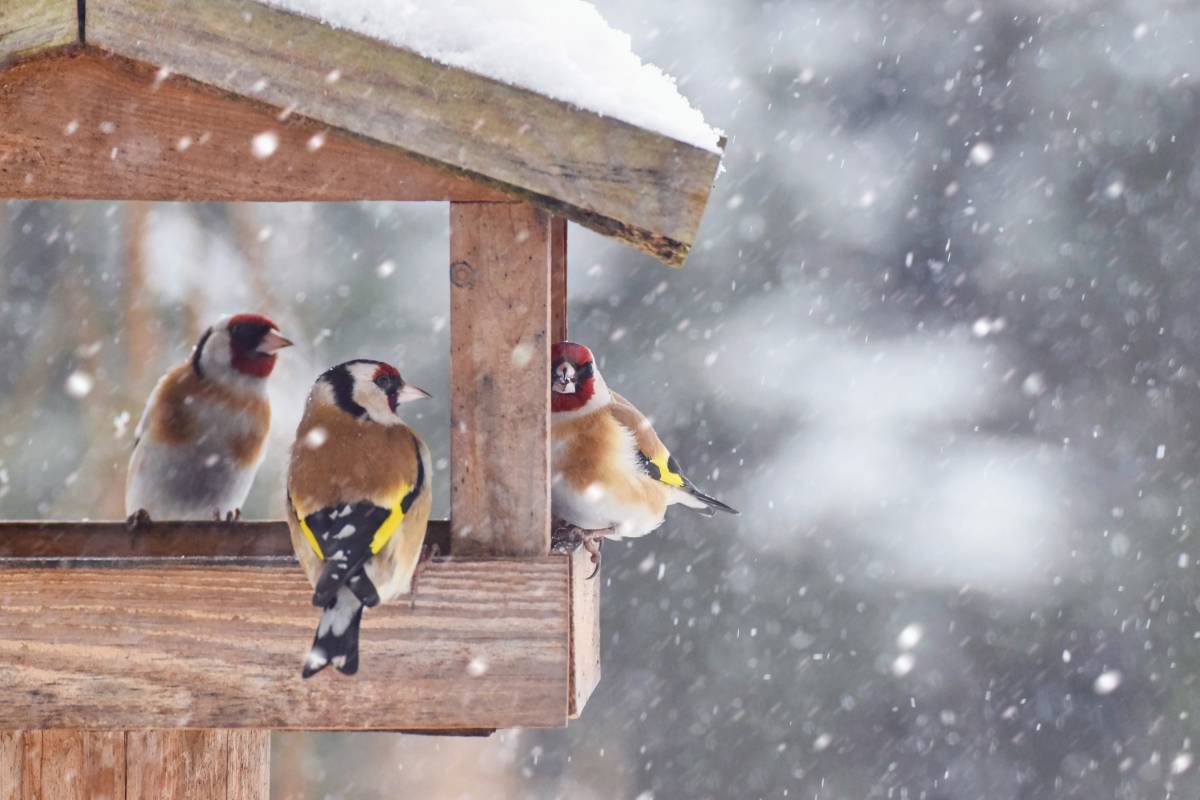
(358, 460)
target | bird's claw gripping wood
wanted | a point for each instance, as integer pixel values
(230, 516)
(565, 538)
(592, 542)
(138, 520)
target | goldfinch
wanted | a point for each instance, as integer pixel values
(612, 476)
(359, 495)
(200, 439)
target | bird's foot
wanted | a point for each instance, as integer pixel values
(138, 520)
(428, 553)
(565, 537)
(592, 542)
(229, 517)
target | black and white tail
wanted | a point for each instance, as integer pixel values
(336, 641)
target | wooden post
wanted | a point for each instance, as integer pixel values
(558, 279)
(500, 258)
(135, 765)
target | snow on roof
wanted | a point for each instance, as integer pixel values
(559, 48)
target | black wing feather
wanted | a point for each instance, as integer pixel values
(344, 533)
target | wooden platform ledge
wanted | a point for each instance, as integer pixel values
(201, 625)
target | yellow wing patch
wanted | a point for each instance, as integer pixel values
(387, 530)
(665, 473)
(308, 534)
(663, 469)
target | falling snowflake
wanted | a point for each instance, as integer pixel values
(80, 384)
(264, 145)
(1107, 682)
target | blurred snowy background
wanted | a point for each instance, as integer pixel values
(938, 341)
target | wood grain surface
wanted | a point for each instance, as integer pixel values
(30, 26)
(558, 280)
(585, 631)
(88, 125)
(616, 178)
(135, 765)
(221, 647)
(499, 379)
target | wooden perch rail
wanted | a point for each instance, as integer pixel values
(185, 626)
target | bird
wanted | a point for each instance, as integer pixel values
(358, 499)
(201, 437)
(612, 477)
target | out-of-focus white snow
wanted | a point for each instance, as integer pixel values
(560, 48)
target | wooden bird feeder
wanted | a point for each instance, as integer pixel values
(154, 665)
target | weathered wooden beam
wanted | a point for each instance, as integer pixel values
(585, 631)
(221, 647)
(616, 178)
(28, 27)
(499, 379)
(89, 125)
(46, 545)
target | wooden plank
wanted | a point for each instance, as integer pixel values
(140, 765)
(221, 647)
(249, 771)
(616, 178)
(103, 764)
(499, 379)
(44, 545)
(82, 765)
(32, 776)
(12, 763)
(90, 125)
(558, 279)
(178, 763)
(62, 764)
(28, 27)
(585, 632)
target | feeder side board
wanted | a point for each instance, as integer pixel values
(486, 647)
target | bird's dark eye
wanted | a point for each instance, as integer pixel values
(243, 332)
(387, 383)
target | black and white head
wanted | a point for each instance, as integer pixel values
(366, 389)
(239, 348)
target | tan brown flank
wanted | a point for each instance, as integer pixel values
(172, 420)
(593, 455)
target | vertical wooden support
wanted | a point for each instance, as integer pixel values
(137, 765)
(584, 657)
(499, 379)
(558, 279)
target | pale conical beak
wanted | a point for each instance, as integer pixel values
(408, 393)
(273, 343)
